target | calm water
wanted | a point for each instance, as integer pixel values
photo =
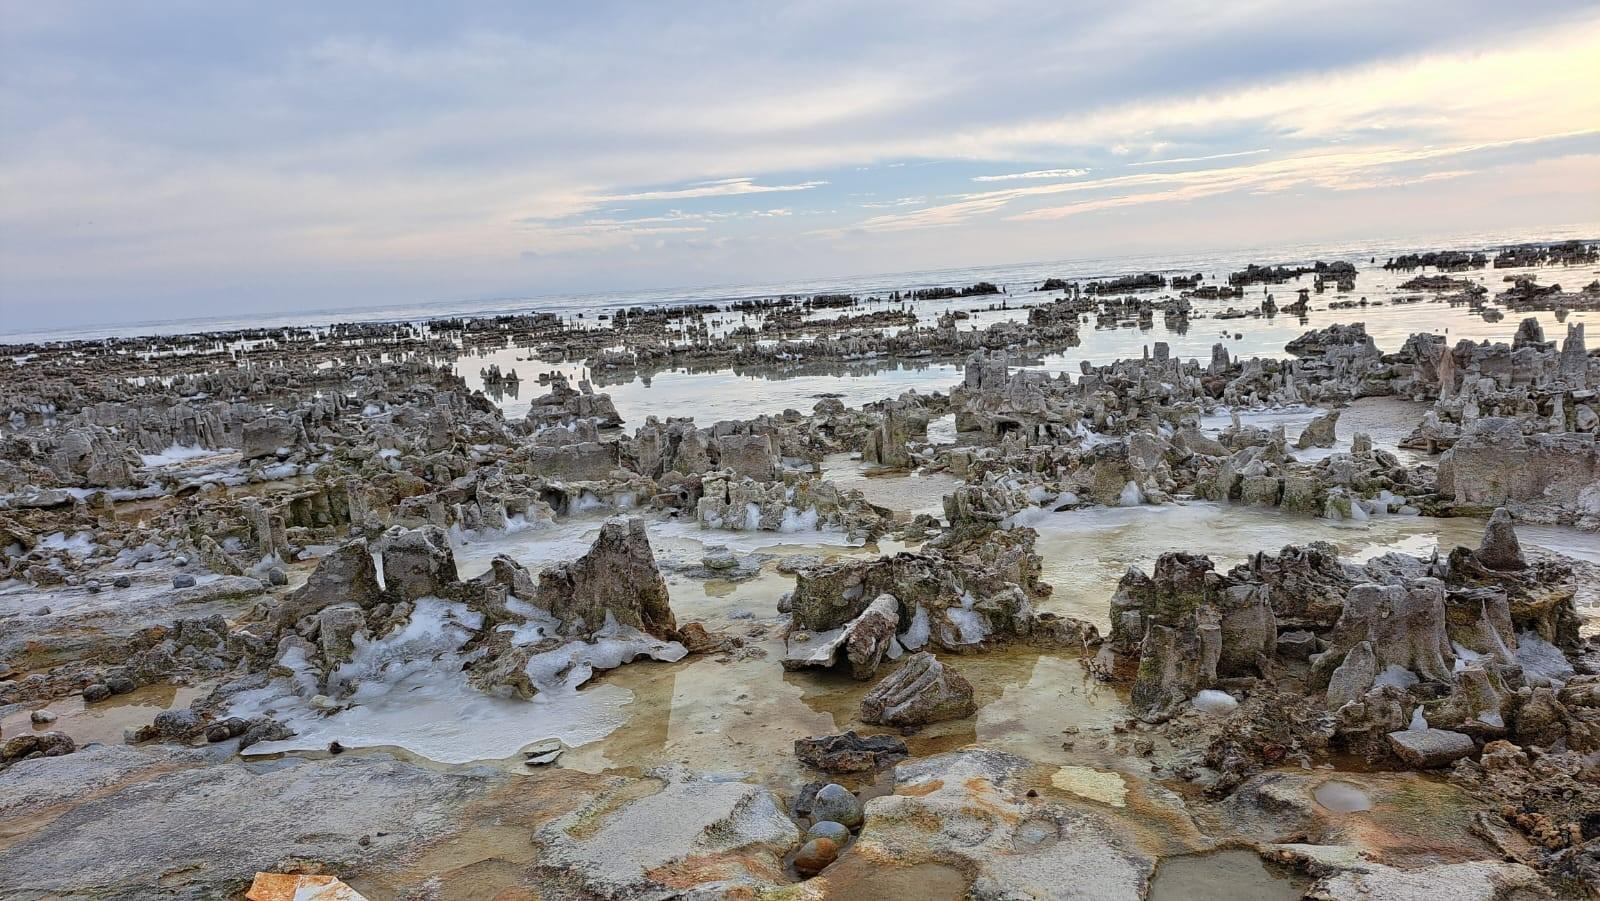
(1014, 275)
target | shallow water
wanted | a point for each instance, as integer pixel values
(742, 713)
(722, 393)
(1087, 551)
(1342, 797)
(1220, 876)
(103, 721)
(906, 493)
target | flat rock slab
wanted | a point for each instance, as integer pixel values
(205, 831)
(639, 838)
(1430, 748)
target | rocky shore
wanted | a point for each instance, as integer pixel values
(313, 601)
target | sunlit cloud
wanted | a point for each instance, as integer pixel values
(1037, 173)
(1201, 159)
(727, 187)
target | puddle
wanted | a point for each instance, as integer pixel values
(1087, 551)
(907, 494)
(1342, 797)
(1222, 876)
(103, 721)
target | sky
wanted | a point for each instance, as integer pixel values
(169, 159)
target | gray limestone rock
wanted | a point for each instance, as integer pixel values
(417, 563)
(1319, 432)
(616, 578)
(921, 690)
(346, 575)
(1430, 748)
(1500, 548)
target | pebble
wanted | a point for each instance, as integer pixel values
(277, 576)
(837, 833)
(97, 692)
(42, 717)
(835, 802)
(120, 685)
(815, 855)
(122, 582)
(183, 580)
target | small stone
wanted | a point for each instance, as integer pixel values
(42, 717)
(37, 744)
(180, 561)
(815, 855)
(97, 692)
(122, 582)
(921, 691)
(335, 748)
(277, 576)
(176, 723)
(835, 802)
(92, 586)
(217, 732)
(183, 580)
(120, 685)
(837, 833)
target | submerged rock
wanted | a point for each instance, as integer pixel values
(921, 690)
(850, 753)
(972, 810)
(621, 843)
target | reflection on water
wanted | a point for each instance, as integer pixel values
(1087, 551)
(742, 712)
(103, 721)
(716, 392)
(1342, 797)
(907, 494)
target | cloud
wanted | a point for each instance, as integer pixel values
(1037, 173)
(727, 187)
(1341, 170)
(1201, 159)
(351, 151)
